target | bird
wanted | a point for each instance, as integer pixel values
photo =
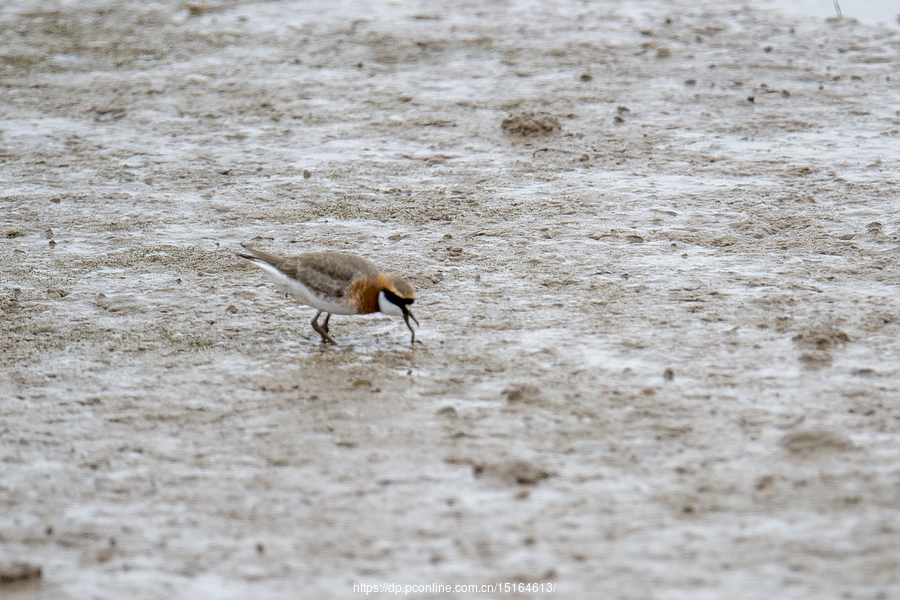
(337, 283)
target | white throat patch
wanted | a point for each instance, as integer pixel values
(388, 307)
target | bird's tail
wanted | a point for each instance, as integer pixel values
(256, 255)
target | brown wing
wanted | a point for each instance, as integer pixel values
(324, 273)
(328, 273)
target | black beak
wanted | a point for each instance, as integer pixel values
(406, 316)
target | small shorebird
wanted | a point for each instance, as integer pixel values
(337, 283)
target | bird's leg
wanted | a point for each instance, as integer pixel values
(407, 314)
(323, 331)
(325, 324)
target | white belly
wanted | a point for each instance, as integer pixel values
(291, 286)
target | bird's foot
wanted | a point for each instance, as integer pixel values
(323, 331)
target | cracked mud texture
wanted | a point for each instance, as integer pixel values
(660, 347)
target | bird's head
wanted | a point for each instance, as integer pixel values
(395, 297)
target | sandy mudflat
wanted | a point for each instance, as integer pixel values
(660, 309)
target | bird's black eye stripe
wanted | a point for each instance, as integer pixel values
(394, 298)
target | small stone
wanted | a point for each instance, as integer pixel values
(669, 374)
(767, 49)
(437, 277)
(405, 97)
(586, 77)
(395, 120)
(48, 233)
(14, 234)
(663, 53)
(690, 82)
(231, 309)
(307, 174)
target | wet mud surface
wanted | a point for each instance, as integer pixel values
(655, 250)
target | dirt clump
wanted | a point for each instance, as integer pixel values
(810, 440)
(512, 472)
(529, 124)
(18, 571)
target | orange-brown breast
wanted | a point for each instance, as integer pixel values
(364, 293)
